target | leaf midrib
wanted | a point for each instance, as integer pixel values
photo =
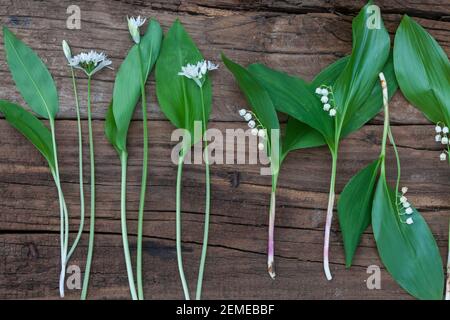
(29, 75)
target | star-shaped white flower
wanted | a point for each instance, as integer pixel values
(90, 62)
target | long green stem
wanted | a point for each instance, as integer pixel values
(178, 225)
(140, 286)
(123, 221)
(80, 167)
(447, 290)
(92, 217)
(207, 204)
(63, 213)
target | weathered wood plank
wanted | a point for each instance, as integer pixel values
(301, 44)
(29, 218)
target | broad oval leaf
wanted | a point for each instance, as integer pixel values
(31, 127)
(32, 78)
(409, 252)
(180, 99)
(369, 55)
(292, 95)
(299, 135)
(260, 101)
(127, 85)
(355, 208)
(423, 70)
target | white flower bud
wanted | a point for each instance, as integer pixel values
(444, 140)
(251, 124)
(324, 92)
(409, 210)
(404, 190)
(66, 50)
(248, 116)
(326, 107)
(332, 112)
(318, 90)
(438, 138)
(260, 146)
(324, 99)
(403, 199)
(409, 221)
(133, 26)
(406, 205)
(242, 112)
(443, 156)
(445, 130)
(254, 132)
(262, 133)
(438, 129)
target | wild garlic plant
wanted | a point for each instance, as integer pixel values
(129, 86)
(422, 69)
(405, 243)
(90, 63)
(36, 86)
(183, 88)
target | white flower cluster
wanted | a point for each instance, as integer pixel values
(197, 71)
(406, 206)
(255, 125)
(327, 99)
(133, 27)
(90, 62)
(442, 136)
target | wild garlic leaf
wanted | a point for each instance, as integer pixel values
(408, 251)
(369, 55)
(292, 95)
(179, 97)
(127, 85)
(31, 127)
(111, 128)
(423, 70)
(32, 78)
(355, 208)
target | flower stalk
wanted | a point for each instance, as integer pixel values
(140, 286)
(271, 237)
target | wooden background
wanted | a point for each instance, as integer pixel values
(300, 37)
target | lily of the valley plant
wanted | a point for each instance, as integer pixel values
(423, 73)
(129, 85)
(184, 94)
(404, 241)
(36, 85)
(339, 101)
(90, 63)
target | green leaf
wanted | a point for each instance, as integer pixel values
(300, 136)
(369, 55)
(374, 103)
(111, 129)
(31, 127)
(409, 252)
(423, 70)
(329, 75)
(293, 96)
(180, 98)
(260, 101)
(355, 208)
(127, 85)
(31, 76)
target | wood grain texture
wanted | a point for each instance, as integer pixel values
(300, 37)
